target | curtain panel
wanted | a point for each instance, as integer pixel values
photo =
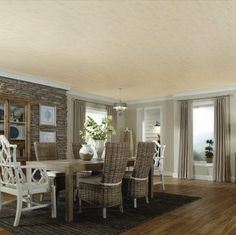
(222, 139)
(186, 141)
(79, 113)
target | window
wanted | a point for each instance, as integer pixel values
(146, 119)
(97, 113)
(203, 128)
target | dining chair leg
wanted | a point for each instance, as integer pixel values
(41, 197)
(121, 208)
(80, 205)
(29, 201)
(147, 200)
(18, 210)
(75, 195)
(53, 202)
(162, 181)
(135, 202)
(104, 213)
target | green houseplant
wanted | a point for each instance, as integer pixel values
(209, 151)
(98, 132)
(95, 131)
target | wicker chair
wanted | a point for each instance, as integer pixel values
(105, 191)
(48, 151)
(135, 183)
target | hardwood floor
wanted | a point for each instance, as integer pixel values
(214, 213)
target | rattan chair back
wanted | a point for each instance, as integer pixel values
(116, 156)
(144, 159)
(45, 151)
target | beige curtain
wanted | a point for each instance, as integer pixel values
(79, 113)
(222, 140)
(186, 141)
(112, 112)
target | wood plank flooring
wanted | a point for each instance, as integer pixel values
(213, 214)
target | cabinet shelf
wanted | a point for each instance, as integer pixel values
(16, 125)
(19, 123)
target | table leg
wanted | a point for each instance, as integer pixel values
(69, 194)
(150, 182)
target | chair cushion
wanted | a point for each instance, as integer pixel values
(94, 179)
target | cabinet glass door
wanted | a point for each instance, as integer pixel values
(1, 119)
(17, 127)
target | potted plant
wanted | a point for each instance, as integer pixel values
(99, 133)
(209, 151)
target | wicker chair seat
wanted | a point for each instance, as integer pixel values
(94, 179)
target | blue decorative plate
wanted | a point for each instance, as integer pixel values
(47, 115)
(14, 133)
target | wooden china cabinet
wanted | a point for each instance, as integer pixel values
(15, 125)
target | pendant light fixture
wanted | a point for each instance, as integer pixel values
(120, 106)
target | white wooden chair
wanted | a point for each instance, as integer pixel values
(159, 163)
(23, 181)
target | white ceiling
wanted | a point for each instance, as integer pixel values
(150, 48)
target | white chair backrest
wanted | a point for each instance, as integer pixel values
(11, 172)
(159, 156)
(161, 150)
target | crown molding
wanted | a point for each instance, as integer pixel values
(91, 97)
(202, 92)
(149, 100)
(33, 79)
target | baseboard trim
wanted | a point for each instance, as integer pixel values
(203, 177)
(232, 178)
(175, 175)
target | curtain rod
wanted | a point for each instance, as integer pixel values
(206, 98)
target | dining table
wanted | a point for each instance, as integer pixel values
(70, 167)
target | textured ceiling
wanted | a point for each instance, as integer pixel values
(150, 48)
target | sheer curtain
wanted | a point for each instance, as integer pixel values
(79, 113)
(222, 139)
(186, 140)
(112, 112)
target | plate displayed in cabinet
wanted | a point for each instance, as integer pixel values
(14, 133)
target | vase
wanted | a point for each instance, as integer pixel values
(99, 146)
(86, 152)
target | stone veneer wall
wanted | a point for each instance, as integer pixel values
(44, 95)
